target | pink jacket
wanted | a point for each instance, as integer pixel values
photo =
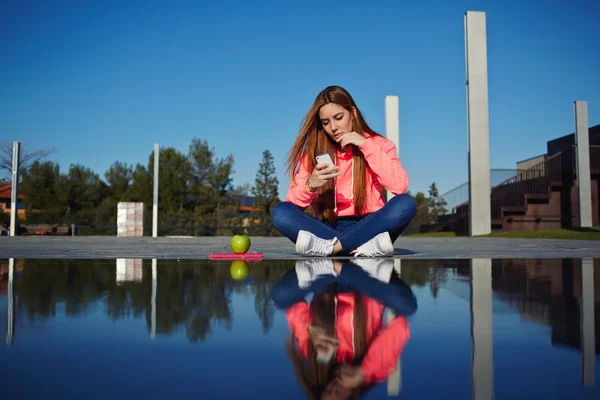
(385, 169)
(384, 344)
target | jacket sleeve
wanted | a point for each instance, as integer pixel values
(382, 356)
(298, 193)
(382, 157)
(298, 318)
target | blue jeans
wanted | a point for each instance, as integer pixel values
(396, 295)
(351, 232)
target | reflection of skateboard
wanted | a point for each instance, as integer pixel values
(235, 256)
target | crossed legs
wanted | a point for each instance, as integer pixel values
(392, 218)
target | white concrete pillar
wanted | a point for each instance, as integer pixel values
(153, 300)
(588, 331)
(11, 302)
(477, 123)
(392, 125)
(155, 197)
(14, 190)
(582, 142)
(482, 364)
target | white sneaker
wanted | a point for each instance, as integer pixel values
(307, 244)
(378, 268)
(310, 270)
(380, 246)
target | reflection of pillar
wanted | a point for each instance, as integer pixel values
(482, 364)
(394, 383)
(588, 334)
(153, 316)
(11, 301)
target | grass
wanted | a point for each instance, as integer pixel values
(566, 234)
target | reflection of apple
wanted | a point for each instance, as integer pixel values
(239, 270)
(240, 244)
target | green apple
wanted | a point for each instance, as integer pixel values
(239, 270)
(240, 244)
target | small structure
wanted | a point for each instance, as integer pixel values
(130, 219)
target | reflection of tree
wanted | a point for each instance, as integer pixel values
(263, 305)
(194, 295)
(415, 273)
(437, 278)
(425, 272)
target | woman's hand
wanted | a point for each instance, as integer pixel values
(351, 138)
(324, 344)
(322, 173)
(350, 376)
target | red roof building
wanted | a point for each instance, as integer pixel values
(5, 200)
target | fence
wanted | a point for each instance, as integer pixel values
(533, 183)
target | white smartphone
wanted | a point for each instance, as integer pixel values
(324, 158)
(325, 358)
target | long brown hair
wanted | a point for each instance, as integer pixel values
(313, 140)
(312, 376)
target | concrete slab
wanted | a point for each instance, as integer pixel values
(109, 247)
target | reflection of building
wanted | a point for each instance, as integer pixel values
(546, 291)
(129, 270)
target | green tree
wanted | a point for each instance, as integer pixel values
(43, 192)
(211, 177)
(173, 179)
(265, 191)
(84, 191)
(436, 203)
(210, 188)
(119, 177)
(140, 188)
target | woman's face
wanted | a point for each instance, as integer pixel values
(336, 120)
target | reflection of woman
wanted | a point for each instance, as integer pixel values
(342, 346)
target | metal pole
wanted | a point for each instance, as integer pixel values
(14, 196)
(155, 201)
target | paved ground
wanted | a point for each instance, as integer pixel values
(97, 247)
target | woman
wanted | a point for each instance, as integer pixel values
(351, 215)
(339, 345)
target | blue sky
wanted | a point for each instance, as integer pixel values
(103, 81)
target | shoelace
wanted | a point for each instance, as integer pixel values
(321, 246)
(367, 249)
